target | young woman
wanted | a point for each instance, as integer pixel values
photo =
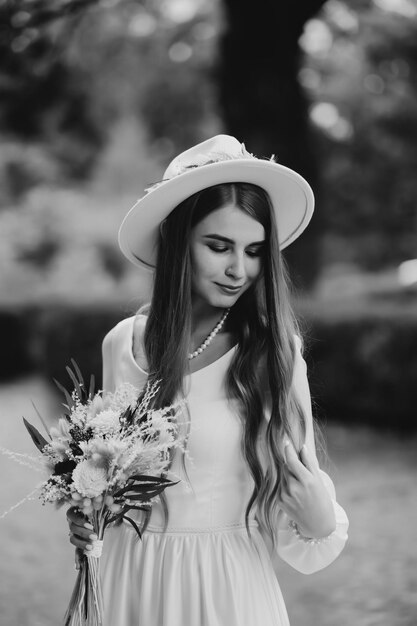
(220, 333)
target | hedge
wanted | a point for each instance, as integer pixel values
(362, 366)
(364, 370)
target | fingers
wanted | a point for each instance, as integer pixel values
(283, 506)
(76, 516)
(82, 544)
(294, 465)
(81, 531)
(285, 499)
(309, 459)
(77, 521)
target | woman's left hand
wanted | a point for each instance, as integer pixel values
(304, 497)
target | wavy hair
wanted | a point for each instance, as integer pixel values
(263, 321)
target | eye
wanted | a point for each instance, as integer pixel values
(251, 253)
(217, 248)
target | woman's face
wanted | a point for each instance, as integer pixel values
(226, 249)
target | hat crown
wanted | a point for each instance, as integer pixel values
(213, 150)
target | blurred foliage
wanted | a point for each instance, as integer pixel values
(70, 69)
(360, 70)
(60, 245)
(362, 368)
(43, 96)
(137, 65)
(261, 101)
(17, 338)
(106, 91)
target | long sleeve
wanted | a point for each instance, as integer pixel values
(107, 362)
(118, 363)
(304, 554)
(311, 555)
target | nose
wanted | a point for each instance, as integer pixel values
(236, 267)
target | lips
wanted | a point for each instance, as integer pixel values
(230, 286)
(229, 289)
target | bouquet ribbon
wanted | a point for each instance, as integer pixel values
(95, 552)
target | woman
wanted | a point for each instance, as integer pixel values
(220, 333)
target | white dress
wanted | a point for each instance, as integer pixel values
(204, 570)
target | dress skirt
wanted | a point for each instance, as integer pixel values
(210, 577)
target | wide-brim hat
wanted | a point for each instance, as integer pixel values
(221, 159)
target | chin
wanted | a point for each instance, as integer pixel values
(226, 301)
(219, 301)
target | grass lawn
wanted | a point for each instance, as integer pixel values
(373, 583)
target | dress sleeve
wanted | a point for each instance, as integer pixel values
(305, 554)
(107, 362)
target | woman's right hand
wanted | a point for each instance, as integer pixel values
(81, 533)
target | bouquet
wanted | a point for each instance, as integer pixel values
(107, 456)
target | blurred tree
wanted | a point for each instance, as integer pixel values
(292, 82)
(177, 102)
(360, 70)
(262, 101)
(71, 68)
(43, 97)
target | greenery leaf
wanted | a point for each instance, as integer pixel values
(77, 386)
(146, 478)
(42, 420)
(64, 467)
(135, 526)
(92, 385)
(70, 401)
(78, 372)
(39, 441)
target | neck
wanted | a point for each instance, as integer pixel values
(204, 317)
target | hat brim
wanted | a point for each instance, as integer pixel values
(291, 196)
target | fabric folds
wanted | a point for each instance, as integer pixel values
(215, 577)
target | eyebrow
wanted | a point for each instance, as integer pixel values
(227, 240)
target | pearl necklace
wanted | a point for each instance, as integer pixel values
(210, 337)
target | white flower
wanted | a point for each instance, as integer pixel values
(79, 415)
(59, 448)
(96, 405)
(166, 437)
(105, 422)
(60, 438)
(61, 431)
(212, 157)
(89, 479)
(158, 419)
(54, 489)
(164, 427)
(124, 396)
(103, 451)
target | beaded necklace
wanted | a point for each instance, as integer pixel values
(210, 337)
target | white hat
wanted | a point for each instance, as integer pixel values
(221, 159)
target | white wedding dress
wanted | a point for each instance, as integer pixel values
(204, 570)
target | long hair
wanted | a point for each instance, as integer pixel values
(265, 326)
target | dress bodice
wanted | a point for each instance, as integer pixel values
(219, 484)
